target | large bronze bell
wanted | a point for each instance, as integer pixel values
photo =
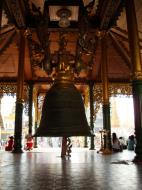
(63, 112)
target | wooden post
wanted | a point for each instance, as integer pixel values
(106, 104)
(36, 115)
(137, 75)
(91, 86)
(19, 98)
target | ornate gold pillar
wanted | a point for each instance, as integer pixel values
(19, 96)
(137, 74)
(105, 90)
(35, 98)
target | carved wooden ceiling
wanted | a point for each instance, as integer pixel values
(43, 38)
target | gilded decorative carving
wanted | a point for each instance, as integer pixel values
(120, 89)
(10, 88)
(114, 89)
(7, 88)
(37, 53)
(87, 43)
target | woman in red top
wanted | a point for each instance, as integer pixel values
(10, 144)
(29, 143)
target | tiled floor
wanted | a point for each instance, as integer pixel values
(84, 170)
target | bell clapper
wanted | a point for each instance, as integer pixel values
(69, 146)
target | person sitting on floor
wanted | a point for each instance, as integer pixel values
(10, 144)
(123, 143)
(116, 146)
(29, 143)
(131, 143)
